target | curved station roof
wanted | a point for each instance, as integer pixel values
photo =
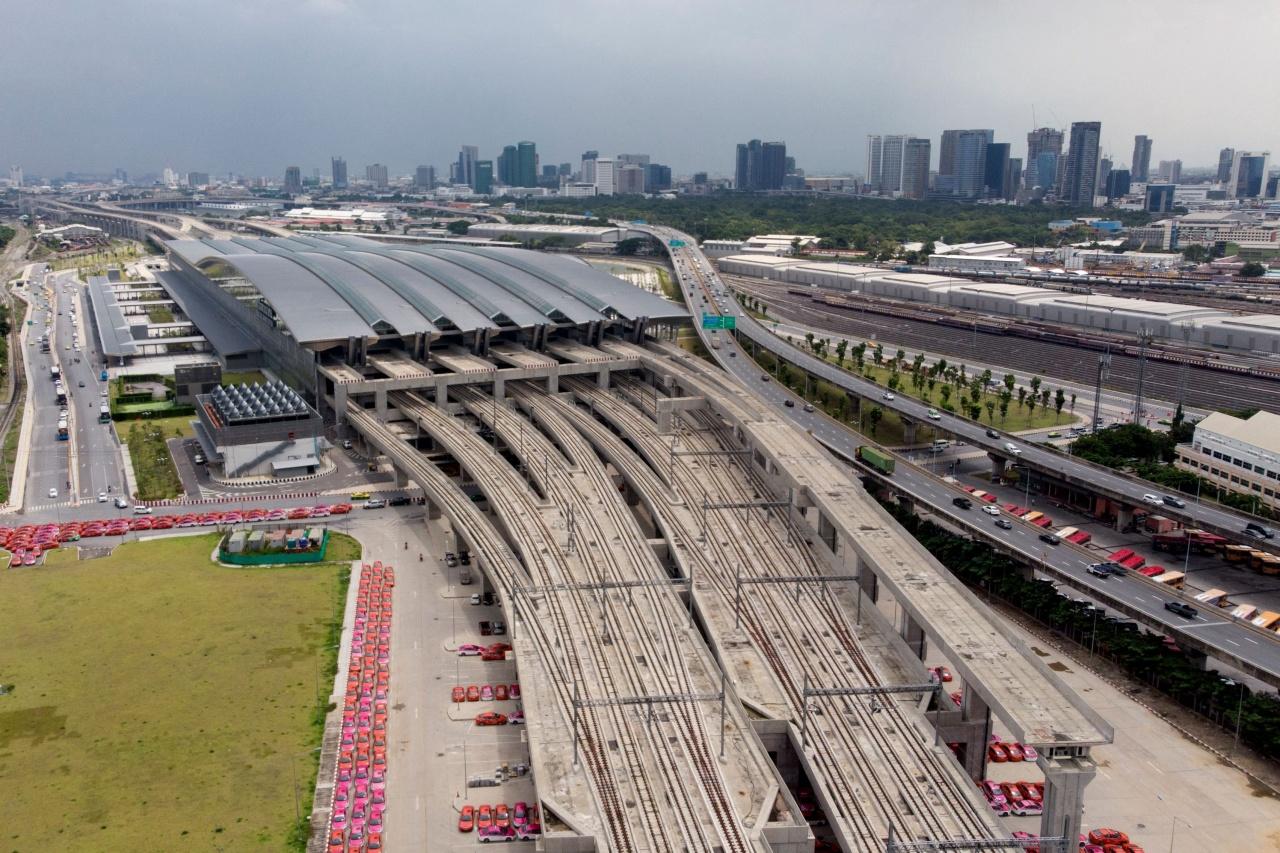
(342, 286)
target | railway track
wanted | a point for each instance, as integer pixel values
(791, 654)
(1201, 387)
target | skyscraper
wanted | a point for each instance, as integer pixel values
(1012, 178)
(425, 177)
(339, 169)
(1040, 141)
(605, 179)
(875, 151)
(1170, 171)
(773, 166)
(1140, 170)
(505, 170)
(467, 156)
(293, 180)
(1248, 176)
(526, 171)
(1159, 198)
(748, 165)
(630, 179)
(891, 163)
(657, 178)
(1104, 172)
(995, 158)
(1225, 157)
(589, 166)
(1046, 170)
(1118, 183)
(964, 173)
(482, 174)
(376, 174)
(1080, 180)
(915, 167)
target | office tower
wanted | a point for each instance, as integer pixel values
(293, 180)
(1225, 157)
(964, 171)
(875, 151)
(15, 176)
(170, 176)
(1248, 176)
(119, 175)
(526, 166)
(749, 166)
(700, 178)
(482, 174)
(376, 174)
(1012, 178)
(630, 179)
(1170, 171)
(891, 163)
(467, 156)
(566, 169)
(1118, 183)
(605, 177)
(197, 179)
(1140, 169)
(1079, 182)
(589, 166)
(1159, 198)
(338, 167)
(947, 152)
(505, 168)
(1043, 140)
(1046, 171)
(632, 160)
(1104, 172)
(657, 178)
(915, 167)
(425, 177)
(995, 159)
(773, 166)
(791, 165)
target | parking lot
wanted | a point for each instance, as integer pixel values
(437, 746)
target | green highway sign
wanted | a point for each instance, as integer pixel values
(712, 321)
(676, 244)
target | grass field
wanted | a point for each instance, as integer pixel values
(160, 702)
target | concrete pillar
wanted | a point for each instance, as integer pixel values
(499, 387)
(869, 584)
(402, 479)
(433, 509)
(998, 464)
(340, 402)
(602, 379)
(442, 393)
(380, 403)
(1124, 517)
(914, 635)
(908, 431)
(553, 381)
(1065, 779)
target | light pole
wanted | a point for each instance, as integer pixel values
(293, 768)
(1239, 711)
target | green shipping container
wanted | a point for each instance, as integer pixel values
(876, 459)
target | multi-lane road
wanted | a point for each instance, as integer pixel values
(64, 473)
(1232, 641)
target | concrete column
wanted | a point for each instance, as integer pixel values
(1124, 517)
(380, 403)
(433, 509)
(869, 584)
(402, 479)
(1064, 783)
(499, 387)
(908, 431)
(442, 393)
(340, 403)
(914, 635)
(998, 464)
(553, 381)
(602, 379)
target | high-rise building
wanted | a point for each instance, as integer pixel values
(1080, 179)
(376, 174)
(589, 166)
(338, 166)
(915, 167)
(467, 156)
(1159, 198)
(630, 179)
(197, 179)
(606, 183)
(482, 174)
(1248, 176)
(566, 169)
(748, 164)
(425, 177)
(1046, 170)
(947, 152)
(632, 160)
(875, 152)
(1118, 183)
(1041, 141)
(1170, 171)
(891, 163)
(995, 158)
(1012, 178)
(773, 166)
(120, 176)
(526, 171)
(15, 176)
(657, 178)
(505, 169)
(965, 168)
(1225, 158)
(1140, 169)
(1104, 172)
(293, 180)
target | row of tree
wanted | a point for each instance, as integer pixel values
(1143, 656)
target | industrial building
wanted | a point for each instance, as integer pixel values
(259, 431)
(1238, 454)
(1175, 322)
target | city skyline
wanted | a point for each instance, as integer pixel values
(392, 105)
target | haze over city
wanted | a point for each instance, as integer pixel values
(249, 87)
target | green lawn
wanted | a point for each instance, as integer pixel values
(155, 474)
(243, 377)
(158, 701)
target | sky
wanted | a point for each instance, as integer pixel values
(253, 86)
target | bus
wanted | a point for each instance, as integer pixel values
(104, 414)
(62, 429)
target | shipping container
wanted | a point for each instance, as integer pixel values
(1173, 579)
(255, 541)
(236, 542)
(1159, 524)
(877, 459)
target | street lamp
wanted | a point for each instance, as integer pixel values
(1239, 711)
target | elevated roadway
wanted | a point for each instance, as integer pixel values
(1231, 641)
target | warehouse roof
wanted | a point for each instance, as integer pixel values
(330, 287)
(1261, 430)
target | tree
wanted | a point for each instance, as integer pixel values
(1022, 396)
(458, 227)
(808, 340)
(991, 411)
(873, 417)
(946, 395)
(841, 348)
(895, 380)
(1035, 385)
(1031, 406)
(1059, 400)
(1073, 403)
(1004, 406)
(975, 411)
(1253, 269)
(900, 356)
(1196, 254)
(1009, 380)
(877, 355)
(1044, 398)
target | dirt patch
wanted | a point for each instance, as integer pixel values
(1058, 666)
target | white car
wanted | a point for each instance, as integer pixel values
(989, 509)
(102, 497)
(934, 415)
(53, 493)
(1152, 499)
(1012, 448)
(139, 509)
(889, 395)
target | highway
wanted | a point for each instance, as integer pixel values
(90, 460)
(1254, 650)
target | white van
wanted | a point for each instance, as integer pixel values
(940, 444)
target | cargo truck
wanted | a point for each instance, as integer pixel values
(878, 459)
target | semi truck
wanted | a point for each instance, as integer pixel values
(878, 459)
